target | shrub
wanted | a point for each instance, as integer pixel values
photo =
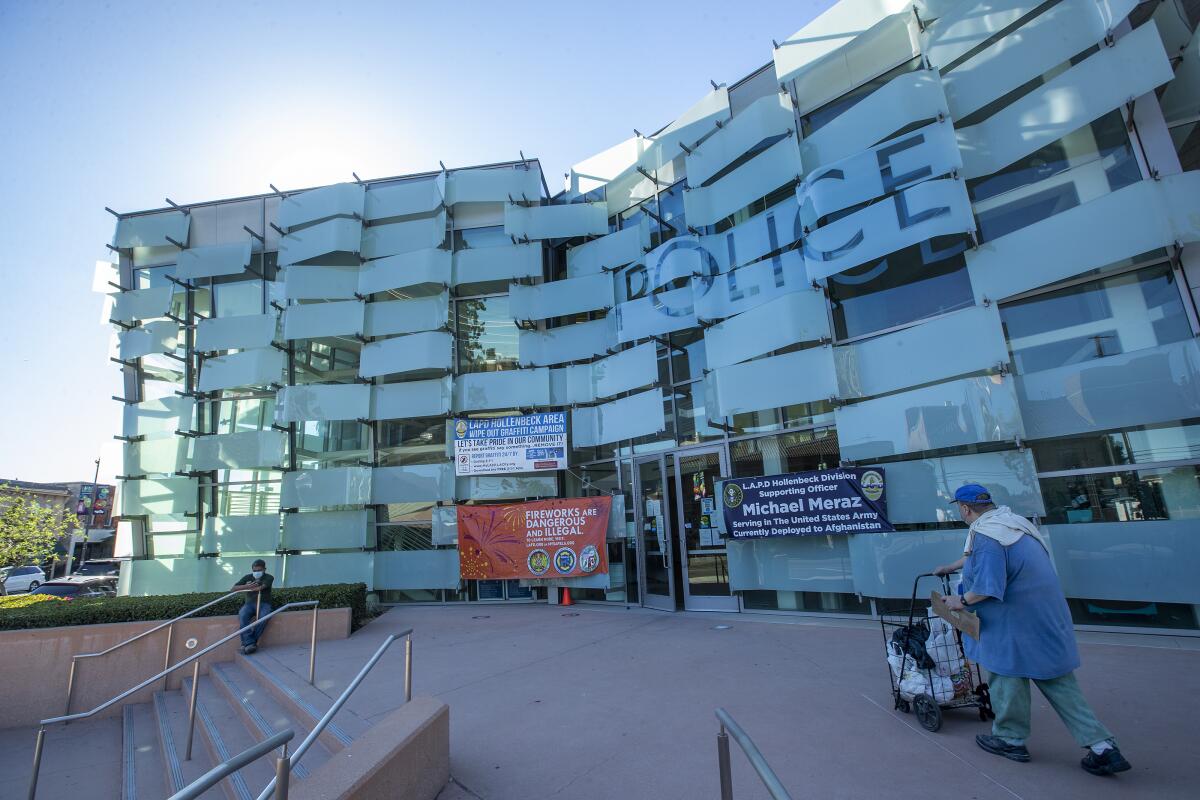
(95, 611)
(26, 600)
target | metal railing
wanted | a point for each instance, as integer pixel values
(250, 754)
(765, 773)
(169, 625)
(280, 787)
(192, 659)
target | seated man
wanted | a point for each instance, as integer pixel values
(257, 587)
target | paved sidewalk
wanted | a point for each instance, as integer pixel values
(617, 703)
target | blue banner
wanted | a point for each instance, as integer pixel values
(817, 503)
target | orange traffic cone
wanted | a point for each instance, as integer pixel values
(566, 597)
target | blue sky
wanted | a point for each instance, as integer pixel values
(121, 104)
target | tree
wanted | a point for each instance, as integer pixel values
(28, 531)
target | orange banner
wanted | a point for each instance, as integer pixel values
(544, 539)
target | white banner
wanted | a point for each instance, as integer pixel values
(500, 445)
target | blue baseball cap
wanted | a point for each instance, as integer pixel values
(972, 493)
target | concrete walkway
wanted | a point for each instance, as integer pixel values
(616, 703)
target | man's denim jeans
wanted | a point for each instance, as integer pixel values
(246, 616)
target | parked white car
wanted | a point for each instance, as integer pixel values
(23, 579)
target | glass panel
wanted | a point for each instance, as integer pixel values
(153, 337)
(576, 342)
(479, 264)
(552, 222)
(328, 361)
(445, 525)
(340, 199)
(779, 164)
(1171, 442)
(317, 320)
(493, 184)
(413, 353)
(344, 486)
(687, 127)
(922, 491)
(404, 237)
(322, 402)
(1132, 613)
(408, 316)
(486, 236)
(689, 358)
(1144, 387)
(403, 199)
(313, 570)
(561, 298)
(324, 239)
(514, 388)
(330, 444)
(636, 415)
(754, 238)
(140, 304)
(608, 252)
(164, 496)
(258, 533)
(325, 529)
(707, 566)
(247, 368)
(413, 483)
(750, 286)
(417, 569)
(152, 230)
(691, 419)
(320, 283)
(654, 315)
(791, 563)
(235, 333)
(855, 68)
(655, 535)
(407, 271)
(486, 337)
(517, 486)
(209, 262)
(799, 316)
(800, 377)
(1148, 494)
(1147, 562)
(413, 441)
(965, 411)
(242, 298)
(411, 399)
(239, 450)
(167, 455)
(962, 27)
(628, 370)
(883, 564)
(158, 416)
(762, 119)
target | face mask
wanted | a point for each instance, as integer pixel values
(258, 573)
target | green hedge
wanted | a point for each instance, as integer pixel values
(94, 611)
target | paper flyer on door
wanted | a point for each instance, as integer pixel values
(562, 538)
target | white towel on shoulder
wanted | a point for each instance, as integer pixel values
(1005, 527)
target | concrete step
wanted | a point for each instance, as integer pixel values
(224, 733)
(171, 718)
(265, 716)
(301, 701)
(142, 773)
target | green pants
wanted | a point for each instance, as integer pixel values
(1010, 701)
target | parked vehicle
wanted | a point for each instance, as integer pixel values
(100, 567)
(76, 587)
(22, 579)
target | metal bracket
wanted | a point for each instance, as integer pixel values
(258, 236)
(177, 207)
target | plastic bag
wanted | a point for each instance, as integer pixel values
(942, 647)
(912, 681)
(911, 640)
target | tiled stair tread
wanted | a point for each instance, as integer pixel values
(141, 766)
(172, 710)
(224, 732)
(294, 692)
(263, 714)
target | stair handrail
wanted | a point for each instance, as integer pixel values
(753, 755)
(233, 764)
(169, 625)
(341, 701)
(41, 734)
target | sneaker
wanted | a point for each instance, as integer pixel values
(1109, 762)
(994, 744)
(250, 648)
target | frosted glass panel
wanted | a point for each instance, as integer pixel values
(796, 317)
(323, 239)
(153, 417)
(164, 496)
(166, 576)
(340, 199)
(925, 153)
(791, 563)
(412, 399)
(404, 237)
(688, 128)
(636, 415)
(830, 31)
(235, 333)
(568, 343)
(248, 368)
(922, 491)
(681, 257)
(315, 320)
(416, 569)
(317, 530)
(412, 353)
(561, 298)
(402, 199)
(153, 337)
(551, 222)
(1098, 84)
(925, 353)
(911, 97)
(408, 316)
(497, 263)
(518, 486)
(320, 283)
(761, 234)
(142, 303)
(1158, 384)
(152, 230)
(609, 252)
(333, 486)
(654, 315)
(405, 271)
(314, 570)
(770, 169)
(413, 484)
(155, 456)
(445, 525)
(1181, 99)
(748, 287)
(322, 402)
(801, 377)
(916, 214)
(764, 118)
(873, 52)
(966, 25)
(258, 533)
(627, 370)
(1134, 561)
(884, 564)
(1136, 219)
(490, 185)
(238, 450)
(518, 388)
(210, 262)
(966, 411)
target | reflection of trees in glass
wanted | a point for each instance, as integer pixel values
(486, 336)
(470, 333)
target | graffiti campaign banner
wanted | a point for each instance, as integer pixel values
(499, 445)
(816, 503)
(561, 538)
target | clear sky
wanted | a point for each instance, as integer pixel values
(123, 103)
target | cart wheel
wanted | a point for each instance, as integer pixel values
(904, 706)
(928, 713)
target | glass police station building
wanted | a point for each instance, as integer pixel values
(953, 239)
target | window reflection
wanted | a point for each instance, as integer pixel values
(485, 335)
(1149, 494)
(1176, 442)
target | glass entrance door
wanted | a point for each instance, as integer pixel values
(702, 553)
(655, 492)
